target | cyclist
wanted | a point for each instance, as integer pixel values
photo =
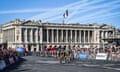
(61, 55)
(67, 56)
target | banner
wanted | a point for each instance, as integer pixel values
(101, 56)
(83, 56)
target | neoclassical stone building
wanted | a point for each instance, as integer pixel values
(35, 35)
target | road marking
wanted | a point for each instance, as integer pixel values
(27, 65)
(112, 68)
(108, 64)
(90, 65)
(50, 62)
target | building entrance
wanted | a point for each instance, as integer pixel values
(29, 47)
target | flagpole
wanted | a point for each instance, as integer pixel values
(65, 15)
(63, 21)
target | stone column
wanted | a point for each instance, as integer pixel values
(31, 35)
(75, 36)
(26, 46)
(41, 38)
(80, 36)
(84, 36)
(41, 33)
(106, 34)
(98, 36)
(37, 47)
(26, 35)
(52, 30)
(71, 36)
(47, 35)
(36, 33)
(57, 35)
(88, 36)
(95, 36)
(9, 34)
(20, 34)
(66, 36)
(32, 48)
(92, 40)
(14, 35)
(62, 35)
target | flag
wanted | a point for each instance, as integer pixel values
(65, 14)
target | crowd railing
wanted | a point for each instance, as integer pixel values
(80, 55)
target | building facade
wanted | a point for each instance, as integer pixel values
(113, 40)
(36, 35)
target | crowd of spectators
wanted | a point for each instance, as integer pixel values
(113, 53)
(7, 53)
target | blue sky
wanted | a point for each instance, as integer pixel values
(80, 11)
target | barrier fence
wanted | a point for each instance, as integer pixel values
(9, 57)
(80, 55)
(8, 61)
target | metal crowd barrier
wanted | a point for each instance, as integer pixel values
(92, 56)
(8, 61)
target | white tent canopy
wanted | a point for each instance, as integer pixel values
(85, 46)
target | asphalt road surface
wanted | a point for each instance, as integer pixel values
(47, 64)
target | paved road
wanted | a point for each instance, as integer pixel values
(47, 64)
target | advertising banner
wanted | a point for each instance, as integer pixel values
(101, 56)
(83, 56)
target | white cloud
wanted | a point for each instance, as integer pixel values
(55, 11)
(94, 15)
(72, 7)
(77, 10)
(92, 8)
(36, 10)
(82, 10)
(23, 11)
(106, 16)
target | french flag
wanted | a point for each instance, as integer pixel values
(65, 14)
